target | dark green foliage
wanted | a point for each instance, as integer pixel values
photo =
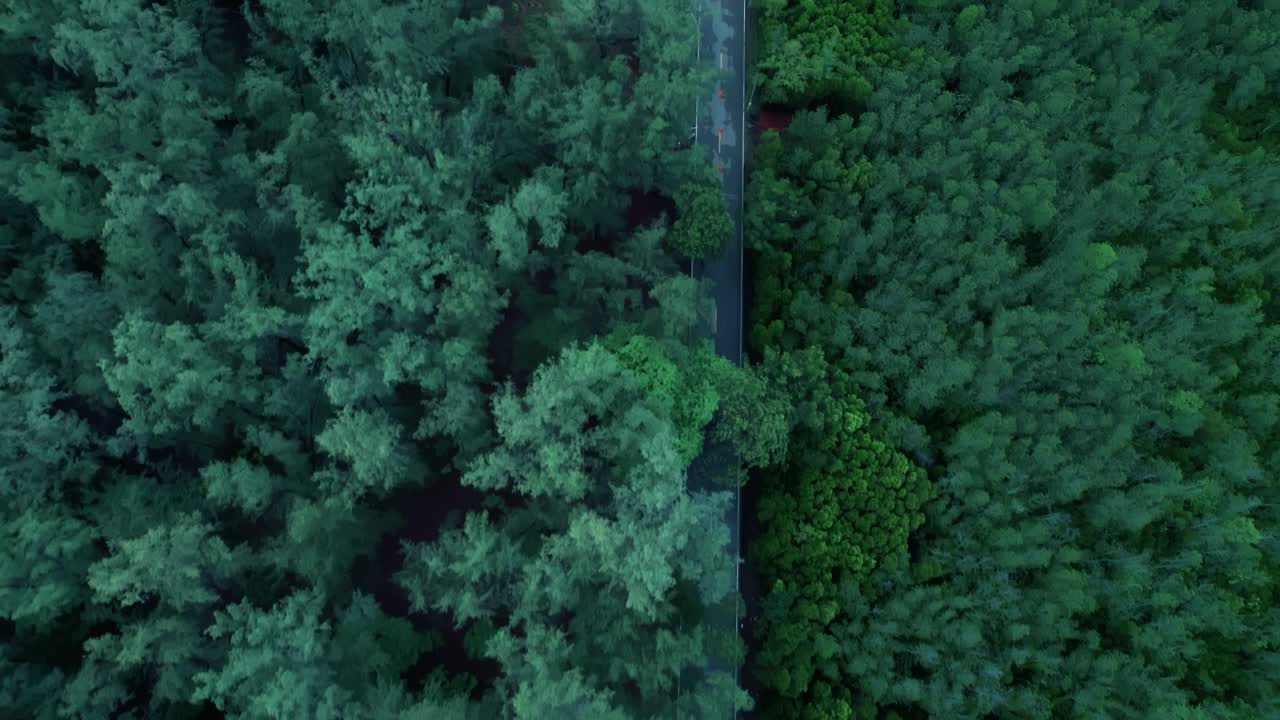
(823, 165)
(811, 50)
(841, 507)
(702, 225)
(1058, 291)
(842, 510)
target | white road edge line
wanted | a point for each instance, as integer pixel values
(697, 14)
(742, 175)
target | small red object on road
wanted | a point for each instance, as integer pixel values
(721, 93)
(720, 169)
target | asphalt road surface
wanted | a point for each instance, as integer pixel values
(721, 127)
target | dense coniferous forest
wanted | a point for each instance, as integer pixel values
(351, 366)
(346, 370)
(1032, 245)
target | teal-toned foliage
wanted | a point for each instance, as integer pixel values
(283, 282)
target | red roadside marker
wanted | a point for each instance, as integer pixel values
(721, 131)
(721, 93)
(720, 169)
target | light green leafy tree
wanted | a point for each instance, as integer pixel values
(607, 532)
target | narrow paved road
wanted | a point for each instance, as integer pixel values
(721, 127)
